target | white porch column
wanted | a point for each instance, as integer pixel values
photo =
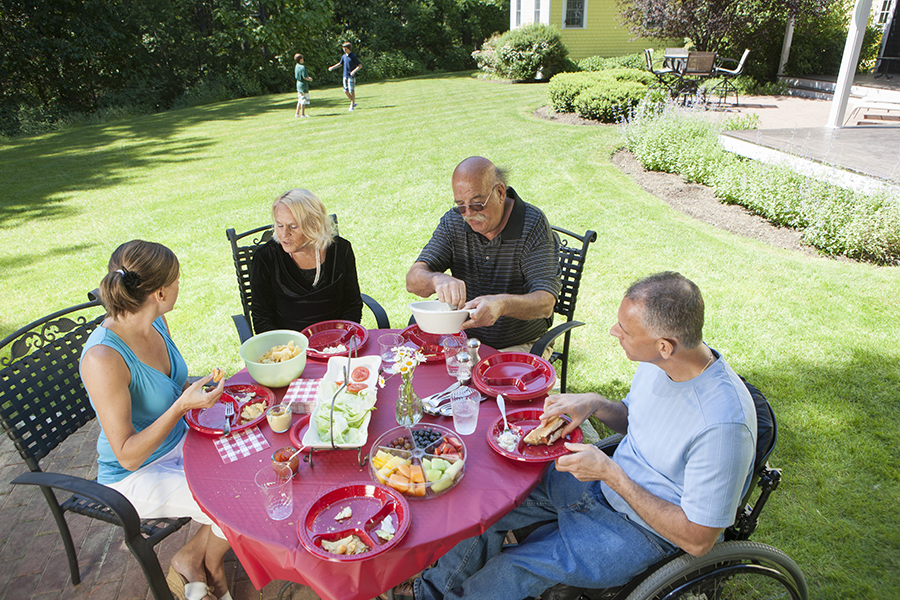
(786, 44)
(848, 63)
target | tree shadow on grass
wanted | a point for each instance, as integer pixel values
(101, 156)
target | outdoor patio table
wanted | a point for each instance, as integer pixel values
(270, 550)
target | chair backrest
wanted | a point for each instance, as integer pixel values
(700, 63)
(571, 266)
(648, 54)
(42, 398)
(743, 60)
(243, 246)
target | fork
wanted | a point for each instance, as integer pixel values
(229, 412)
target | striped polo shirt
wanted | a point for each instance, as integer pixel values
(521, 260)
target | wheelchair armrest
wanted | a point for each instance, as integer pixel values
(242, 326)
(107, 496)
(381, 317)
(609, 444)
(545, 340)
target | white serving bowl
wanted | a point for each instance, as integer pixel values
(274, 374)
(434, 316)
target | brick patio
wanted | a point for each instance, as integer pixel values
(33, 561)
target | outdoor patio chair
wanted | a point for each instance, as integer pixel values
(697, 67)
(571, 266)
(727, 75)
(666, 76)
(42, 403)
(734, 567)
(243, 245)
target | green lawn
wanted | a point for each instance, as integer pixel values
(818, 336)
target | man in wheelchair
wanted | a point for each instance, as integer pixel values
(675, 480)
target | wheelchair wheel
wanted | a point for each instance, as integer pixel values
(740, 569)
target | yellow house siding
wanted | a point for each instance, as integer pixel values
(603, 34)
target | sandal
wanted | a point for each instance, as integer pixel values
(182, 590)
(404, 591)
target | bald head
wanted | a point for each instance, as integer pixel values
(479, 169)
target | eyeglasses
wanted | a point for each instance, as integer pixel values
(475, 206)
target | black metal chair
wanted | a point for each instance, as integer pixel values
(727, 75)
(243, 245)
(42, 403)
(571, 266)
(735, 567)
(666, 76)
(698, 67)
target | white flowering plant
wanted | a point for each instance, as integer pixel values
(406, 359)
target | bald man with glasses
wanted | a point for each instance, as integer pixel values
(501, 257)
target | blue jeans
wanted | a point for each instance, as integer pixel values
(587, 544)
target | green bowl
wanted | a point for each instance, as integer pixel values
(274, 374)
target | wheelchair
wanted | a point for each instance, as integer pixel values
(735, 567)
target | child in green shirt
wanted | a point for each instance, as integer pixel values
(302, 86)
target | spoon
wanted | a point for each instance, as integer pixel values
(515, 430)
(501, 404)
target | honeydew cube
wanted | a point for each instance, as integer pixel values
(453, 469)
(433, 474)
(441, 485)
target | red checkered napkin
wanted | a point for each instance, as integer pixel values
(241, 444)
(302, 394)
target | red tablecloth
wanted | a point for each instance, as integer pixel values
(270, 550)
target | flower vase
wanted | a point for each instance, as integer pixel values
(409, 405)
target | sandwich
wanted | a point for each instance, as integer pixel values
(547, 433)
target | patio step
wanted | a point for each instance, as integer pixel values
(822, 88)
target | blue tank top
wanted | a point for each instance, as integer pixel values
(152, 393)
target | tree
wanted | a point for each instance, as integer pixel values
(713, 25)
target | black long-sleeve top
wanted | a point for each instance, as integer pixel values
(283, 296)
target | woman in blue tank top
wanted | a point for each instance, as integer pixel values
(137, 382)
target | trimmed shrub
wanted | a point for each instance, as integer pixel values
(609, 100)
(563, 89)
(522, 54)
(600, 95)
(628, 61)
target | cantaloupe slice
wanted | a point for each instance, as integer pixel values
(416, 474)
(398, 482)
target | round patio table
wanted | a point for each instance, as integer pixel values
(271, 550)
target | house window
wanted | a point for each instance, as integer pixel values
(574, 13)
(537, 11)
(885, 13)
(518, 13)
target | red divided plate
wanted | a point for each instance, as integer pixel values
(370, 504)
(527, 419)
(209, 421)
(329, 334)
(298, 430)
(430, 343)
(516, 375)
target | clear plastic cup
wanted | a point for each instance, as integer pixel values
(274, 483)
(452, 346)
(465, 403)
(386, 345)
